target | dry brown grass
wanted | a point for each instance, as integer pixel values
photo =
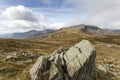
(50, 42)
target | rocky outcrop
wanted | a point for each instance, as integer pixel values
(75, 64)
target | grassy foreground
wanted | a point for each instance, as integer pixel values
(107, 47)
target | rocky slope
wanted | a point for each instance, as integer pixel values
(75, 64)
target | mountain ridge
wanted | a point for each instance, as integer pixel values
(23, 35)
(87, 29)
(91, 29)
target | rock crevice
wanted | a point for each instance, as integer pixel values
(75, 64)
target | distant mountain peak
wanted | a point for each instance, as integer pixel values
(90, 29)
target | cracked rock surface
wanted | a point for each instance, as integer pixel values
(75, 64)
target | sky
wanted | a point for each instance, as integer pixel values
(25, 15)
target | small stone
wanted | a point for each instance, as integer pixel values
(23, 62)
(101, 68)
(112, 69)
(28, 54)
(109, 45)
(11, 56)
(1, 56)
(114, 74)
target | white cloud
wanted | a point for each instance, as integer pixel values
(56, 25)
(102, 13)
(22, 26)
(19, 18)
(31, 25)
(21, 13)
(19, 24)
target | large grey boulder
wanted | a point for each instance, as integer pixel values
(75, 64)
(80, 61)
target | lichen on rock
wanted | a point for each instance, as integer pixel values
(75, 64)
